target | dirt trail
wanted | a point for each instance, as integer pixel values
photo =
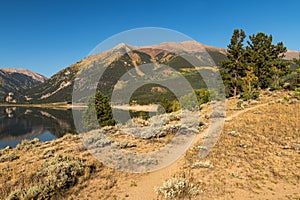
(148, 182)
(244, 110)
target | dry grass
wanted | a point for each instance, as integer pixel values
(256, 152)
(49, 170)
(256, 157)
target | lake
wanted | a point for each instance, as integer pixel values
(19, 123)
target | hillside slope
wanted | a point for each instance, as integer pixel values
(17, 80)
(122, 59)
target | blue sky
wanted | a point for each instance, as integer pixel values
(47, 36)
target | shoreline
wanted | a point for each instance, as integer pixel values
(136, 108)
(50, 105)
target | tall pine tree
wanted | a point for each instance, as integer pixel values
(233, 69)
(266, 59)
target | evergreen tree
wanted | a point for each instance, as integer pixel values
(249, 85)
(259, 65)
(266, 59)
(99, 112)
(297, 61)
(234, 67)
(103, 110)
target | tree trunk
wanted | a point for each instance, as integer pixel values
(234, 92)
(235, 86)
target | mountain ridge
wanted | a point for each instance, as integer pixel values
(34, 75)
(122, 58)
(15, 81)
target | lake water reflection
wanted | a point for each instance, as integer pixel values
(19, 123)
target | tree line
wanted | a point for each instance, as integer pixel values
(254, 65)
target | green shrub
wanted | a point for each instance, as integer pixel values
(168, 105)
(188, 102)
(202, 95)
(181, 187)
(250, 95)
(34, 192)
(48, 153)
(297, 93)
(27, 145)
(58, 174)
(200, 164)
(9, 157)
(62, 171)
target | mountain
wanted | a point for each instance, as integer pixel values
(15, 81)
(291, 54)
(35, 76)
(124, 58)
(120, 60)
(56, 89)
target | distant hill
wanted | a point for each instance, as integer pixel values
(56, 89)
(15, 81)
(291, 54)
